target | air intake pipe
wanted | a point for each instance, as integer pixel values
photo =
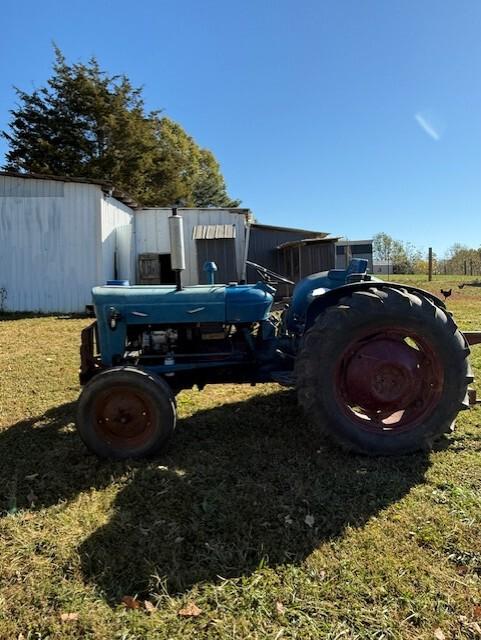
(177, 250)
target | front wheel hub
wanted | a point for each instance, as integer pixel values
(124, 416)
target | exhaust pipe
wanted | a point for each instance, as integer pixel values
(177, 250)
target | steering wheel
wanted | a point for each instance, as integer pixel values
(266, 274)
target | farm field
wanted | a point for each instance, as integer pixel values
(248, 515)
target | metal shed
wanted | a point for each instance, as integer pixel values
(209, 234)
(60, 236)
(292, 252)
(347, 249)
(308, 255)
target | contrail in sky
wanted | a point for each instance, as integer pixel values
(427, 127)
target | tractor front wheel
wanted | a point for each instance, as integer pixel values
(125, 412)
(383, 372)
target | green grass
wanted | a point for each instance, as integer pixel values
(271, 532)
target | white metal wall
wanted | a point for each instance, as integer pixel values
(58, 240)
(49, 240)
(152, 235)
(116, 229)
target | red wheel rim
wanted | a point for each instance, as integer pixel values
(389, 381)
(124, 416)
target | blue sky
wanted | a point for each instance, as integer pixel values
(346, 116)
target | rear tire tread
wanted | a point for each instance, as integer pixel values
(393, 304)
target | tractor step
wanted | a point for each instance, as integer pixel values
(284, 378)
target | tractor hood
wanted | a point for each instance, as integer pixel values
(163, 304)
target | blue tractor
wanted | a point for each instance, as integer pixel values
(380, 368)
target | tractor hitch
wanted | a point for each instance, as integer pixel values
(473, 400)
(472, 337)
(89, 361)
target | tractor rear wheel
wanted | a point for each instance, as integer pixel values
(383, 372)
(125, 412)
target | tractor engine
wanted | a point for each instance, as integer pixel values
(158, 342)
(152, 341)
(179, 331)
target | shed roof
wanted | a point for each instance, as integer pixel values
(307, 241)
(318, 234)
(213, 231)
(105, 185)
(235, 210)
(345, 242)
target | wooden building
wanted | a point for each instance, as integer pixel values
(293, 253)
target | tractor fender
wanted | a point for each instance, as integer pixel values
(332, 297)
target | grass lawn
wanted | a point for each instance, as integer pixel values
(249, 515)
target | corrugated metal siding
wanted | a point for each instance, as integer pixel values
(152, 235)
(116, 230)
(301, 261)
(222, 252)
(28, 188)
(49, 246)
(317, 257)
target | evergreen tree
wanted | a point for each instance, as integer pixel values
(87, 123)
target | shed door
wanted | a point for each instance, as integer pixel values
(149, 268)
(155, 268)
(222, 252)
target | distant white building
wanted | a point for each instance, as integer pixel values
(382, 267)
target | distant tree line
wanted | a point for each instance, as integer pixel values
(404, 257)
(461, 260)
(90, 124)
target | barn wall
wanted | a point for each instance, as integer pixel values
(263, 243)
(152, 235)
(49, 239)
(317, 257)
(116, 235)
(301, 261)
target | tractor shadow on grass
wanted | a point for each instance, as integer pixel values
(239, 487)
(44, 462)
